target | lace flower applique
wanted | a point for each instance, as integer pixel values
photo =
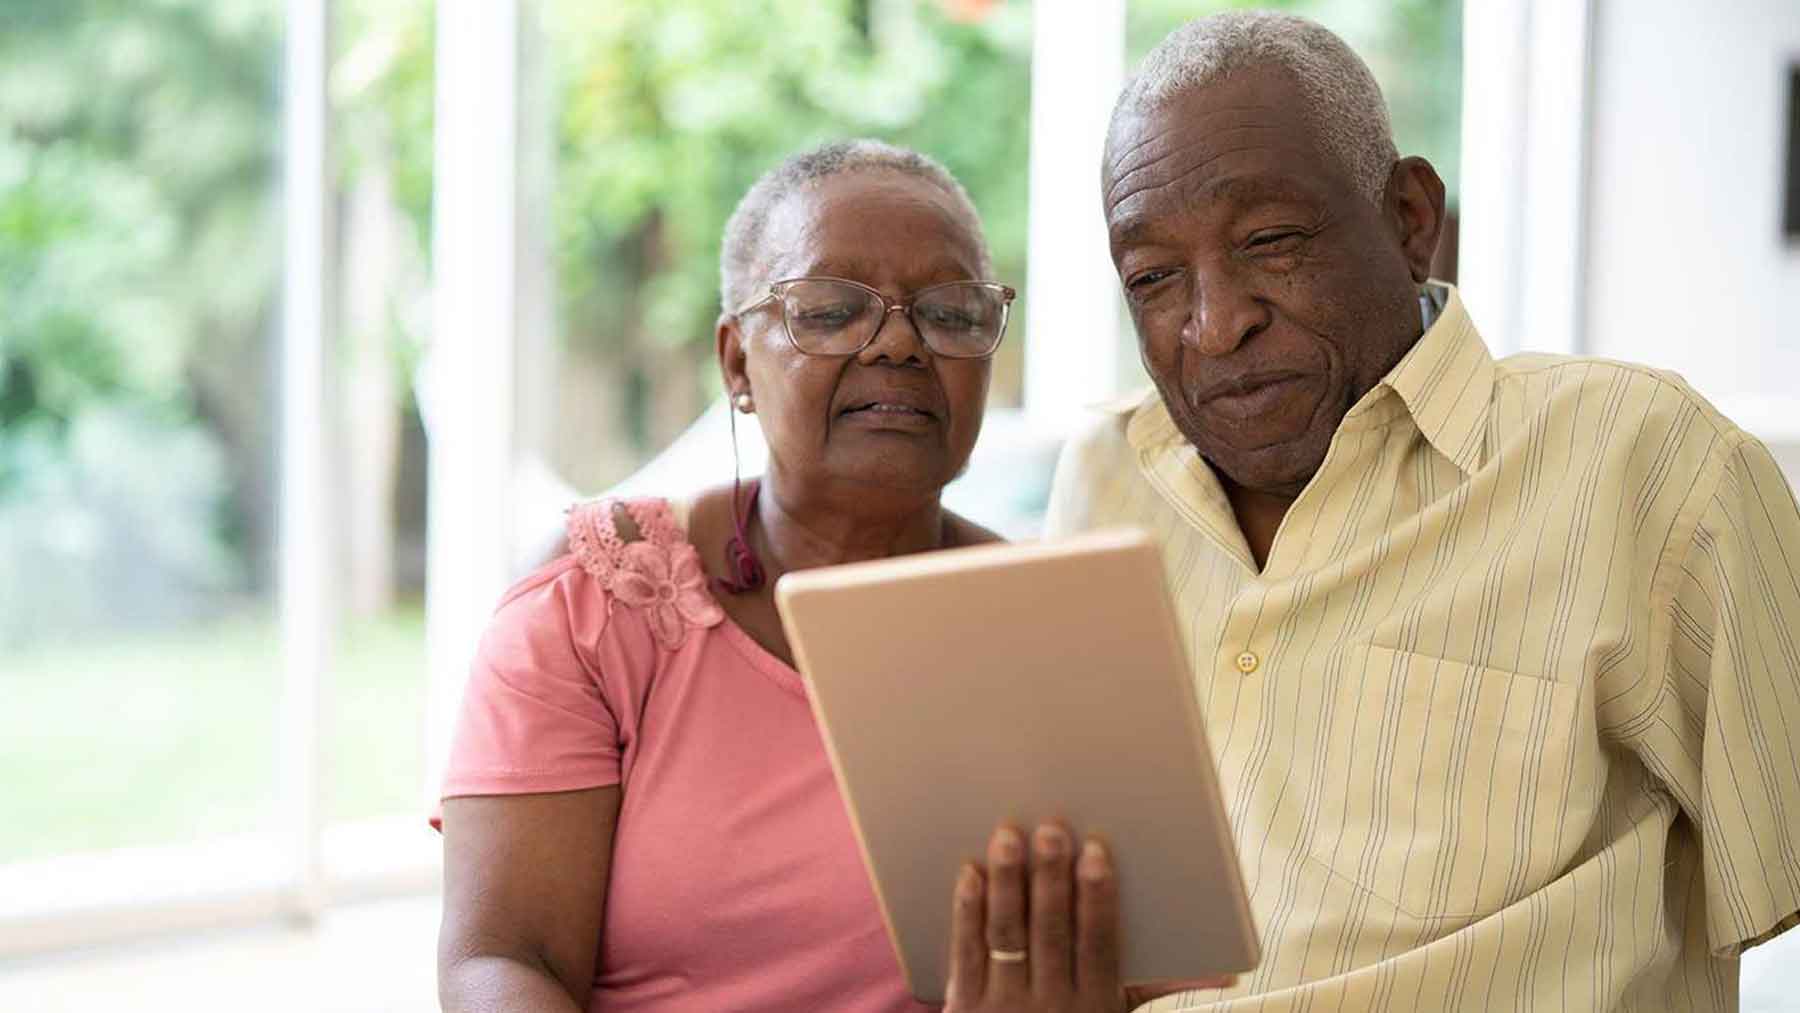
(660, 573)
(669, 584)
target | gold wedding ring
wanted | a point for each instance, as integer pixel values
(1007, 956)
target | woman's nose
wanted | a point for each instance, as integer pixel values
(896, 340)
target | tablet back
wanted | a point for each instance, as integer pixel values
(959, 688)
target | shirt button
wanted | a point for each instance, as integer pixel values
(1247, 662)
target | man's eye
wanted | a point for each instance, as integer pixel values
(1278, 241)
(1146, 280)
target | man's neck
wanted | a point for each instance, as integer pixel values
(1259, 513)
(1259, 516)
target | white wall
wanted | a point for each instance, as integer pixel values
(1686, 266)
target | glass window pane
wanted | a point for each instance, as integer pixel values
(139, 254)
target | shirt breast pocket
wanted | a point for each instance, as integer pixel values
(1453, 784)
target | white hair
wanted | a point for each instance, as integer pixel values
(741, 253)
(1344, 102)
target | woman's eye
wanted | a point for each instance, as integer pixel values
(827, 315)
(945, 316)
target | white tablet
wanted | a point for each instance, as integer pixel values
(959, 688)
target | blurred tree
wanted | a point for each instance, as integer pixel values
(140, 236)
(668, 112)
(137, 258)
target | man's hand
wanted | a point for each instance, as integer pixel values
(1040, 932)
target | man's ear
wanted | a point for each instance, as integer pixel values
(728, 344)
(1415, 209)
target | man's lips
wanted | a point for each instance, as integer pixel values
(1251, 394)
(1246, 384)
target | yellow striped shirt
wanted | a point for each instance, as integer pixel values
(1511, 718)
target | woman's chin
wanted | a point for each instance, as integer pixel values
(913, 472)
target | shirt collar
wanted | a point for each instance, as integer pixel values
(1445, 382)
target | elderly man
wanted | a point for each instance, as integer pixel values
(1499, 658)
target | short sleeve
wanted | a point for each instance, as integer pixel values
(1733, 665)
(535, 715)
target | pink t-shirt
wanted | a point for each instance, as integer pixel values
(736, 880)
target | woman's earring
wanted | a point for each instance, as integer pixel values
(744, 403)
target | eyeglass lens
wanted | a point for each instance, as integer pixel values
(960, 319)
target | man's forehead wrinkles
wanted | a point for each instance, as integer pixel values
(1184, 175)
(1120, 156)
(1187, 149)
(1179, 131)
(1185, 133)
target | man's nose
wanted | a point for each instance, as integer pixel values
(1222, 318)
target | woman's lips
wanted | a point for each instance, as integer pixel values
(885, 406)
(889, 415)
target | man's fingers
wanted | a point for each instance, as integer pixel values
(968, 946)
(1096, 921)
(1143, 992)
(1052, 921)
(1008, 947)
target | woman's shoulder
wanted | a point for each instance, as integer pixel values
(636, 555)
(964, 531)
(597, 532)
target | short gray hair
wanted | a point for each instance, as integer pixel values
(1345, 103)
(741, 250)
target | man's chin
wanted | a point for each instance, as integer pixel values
(1278, 469)
(1278, 460)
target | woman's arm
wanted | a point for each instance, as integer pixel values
(524, 893)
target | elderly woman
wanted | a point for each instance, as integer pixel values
(639, 813)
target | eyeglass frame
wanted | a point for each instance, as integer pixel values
(1007, 294)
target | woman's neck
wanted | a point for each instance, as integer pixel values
(801, 531)
(789, 532)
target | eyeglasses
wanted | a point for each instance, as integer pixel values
(833, 316)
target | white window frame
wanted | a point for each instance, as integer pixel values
(1073, 307)
(1527, 96)
(306, 579)
(469, 383)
